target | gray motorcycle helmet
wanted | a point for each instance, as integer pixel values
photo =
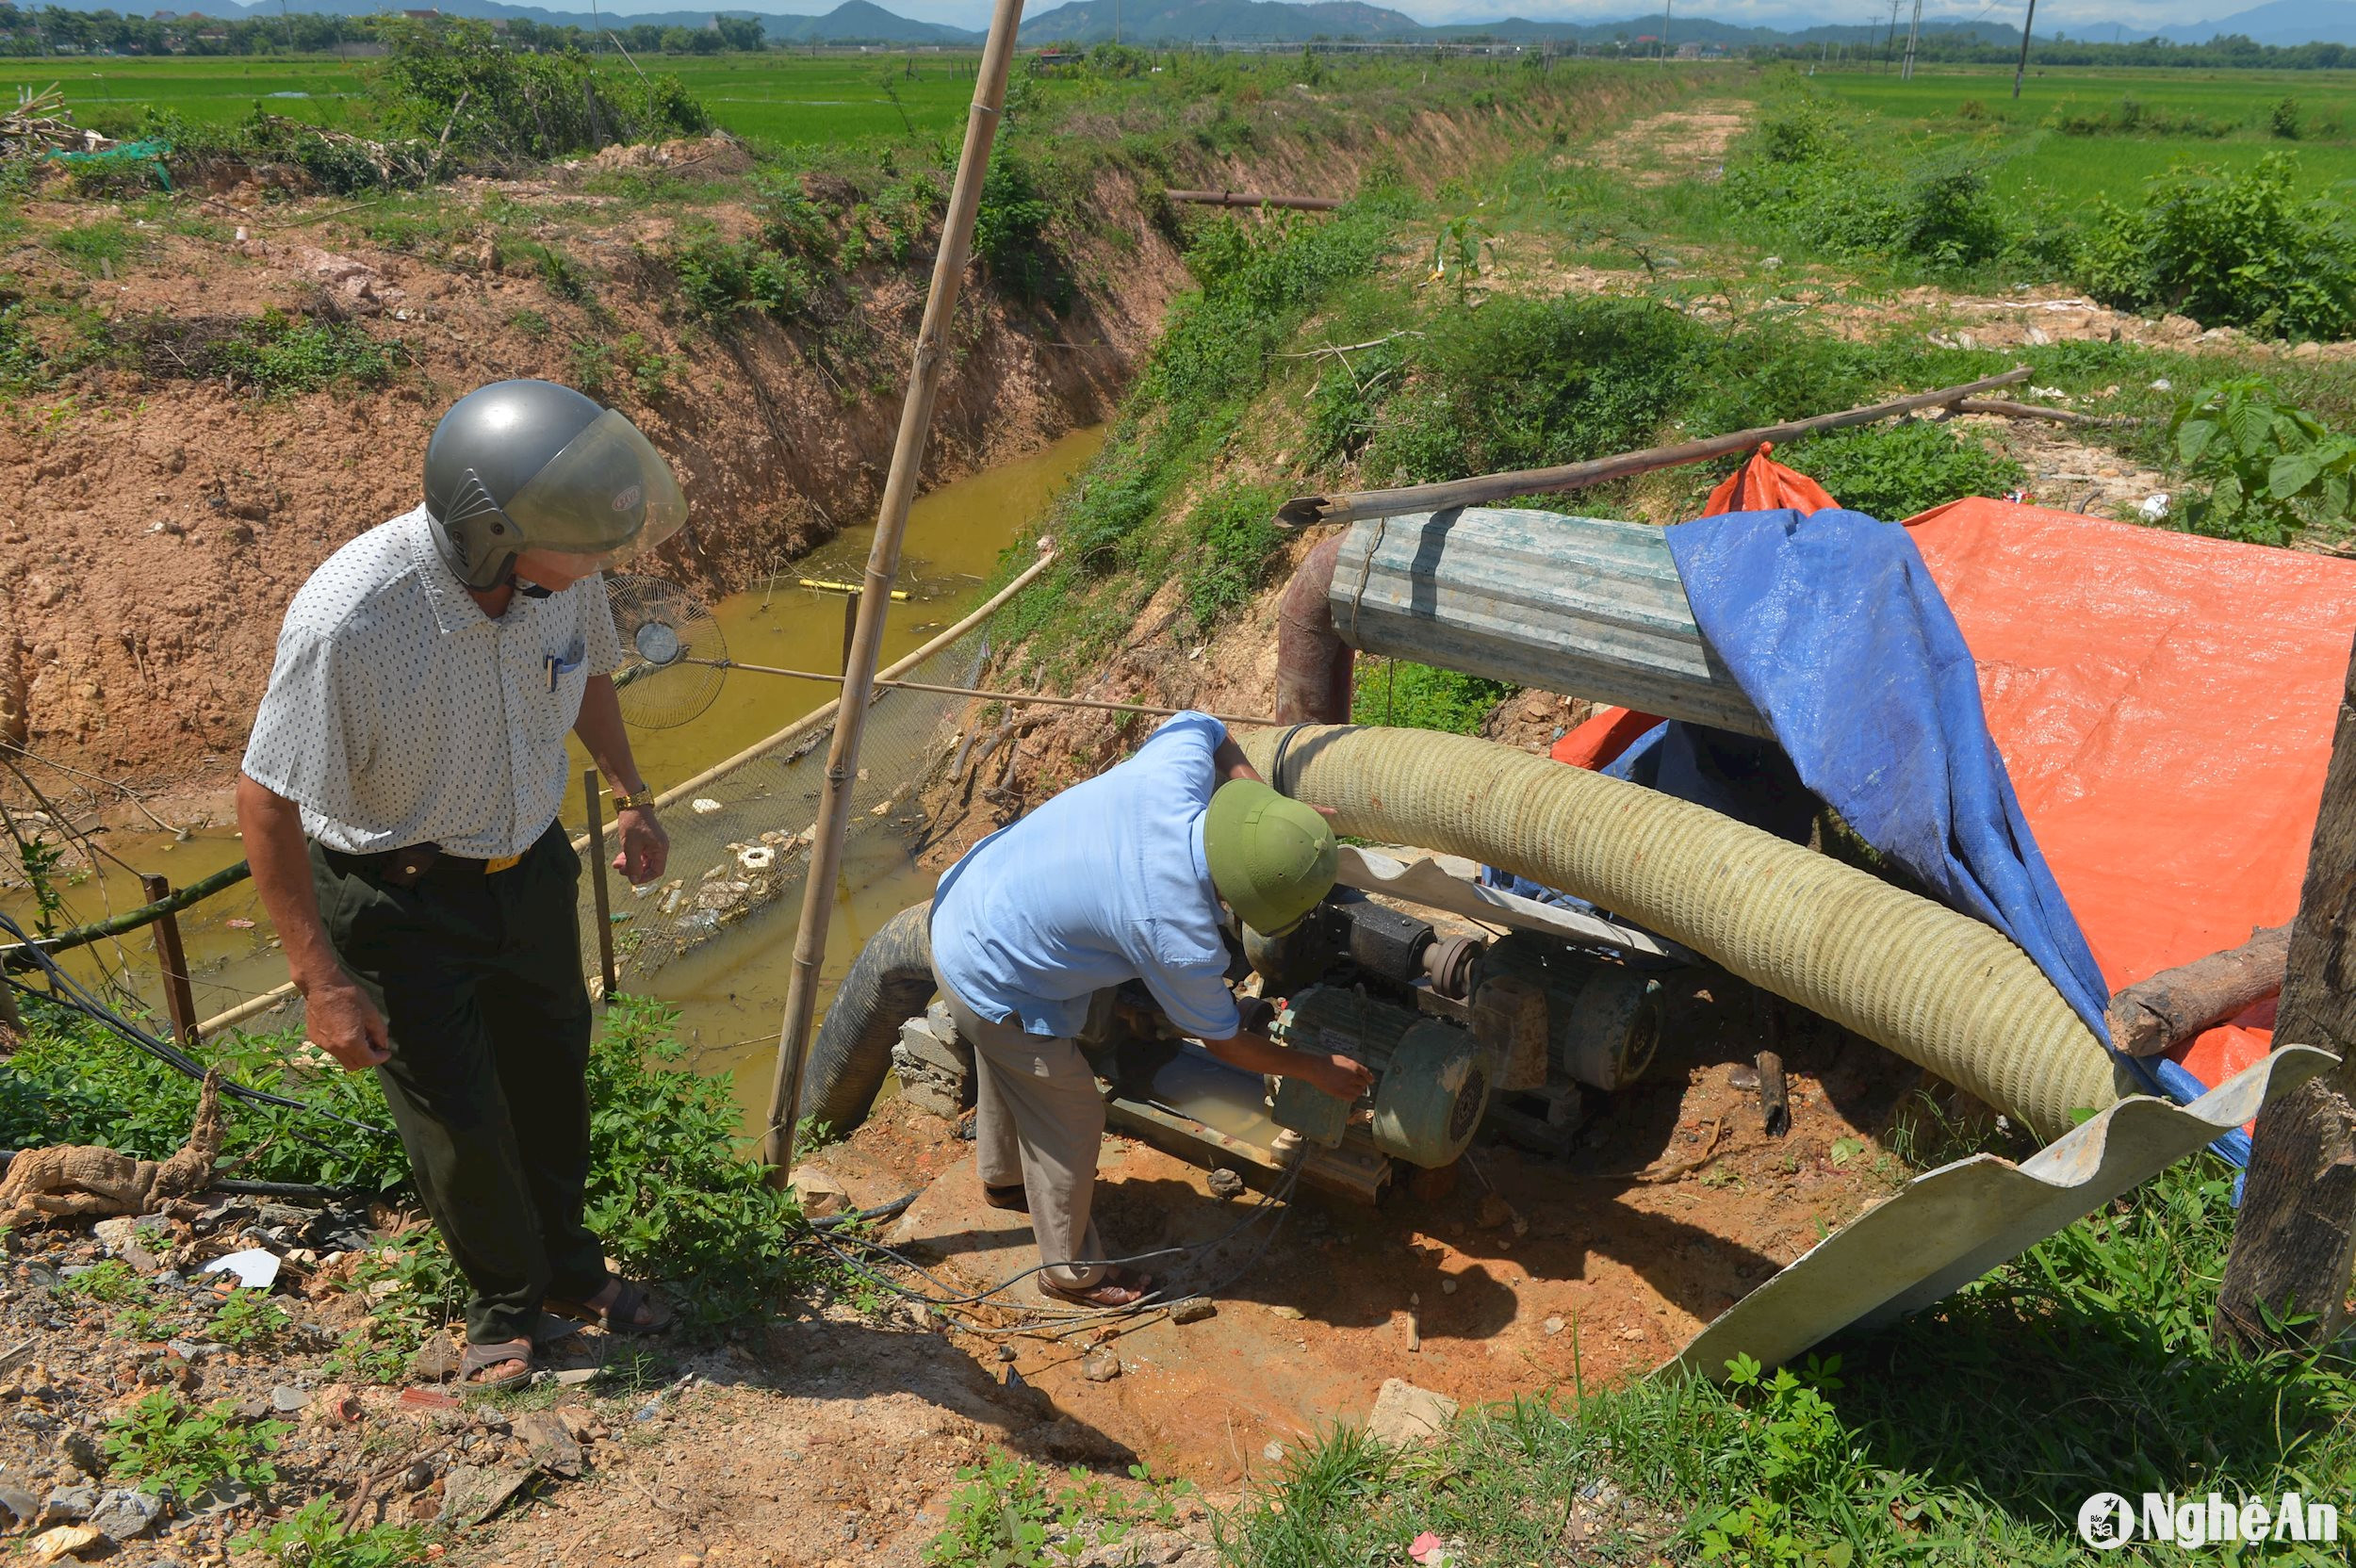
(528, 465)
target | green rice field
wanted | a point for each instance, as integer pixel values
(1967, 106)
(773, 97)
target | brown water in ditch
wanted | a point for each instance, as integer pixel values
(731, 992)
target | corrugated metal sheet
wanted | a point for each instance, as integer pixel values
(1951, 1225)
(1587, 607)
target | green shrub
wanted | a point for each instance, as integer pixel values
(250, 1320)
(719, 278)
(2229, 249)
(2131, 116)
(111, 1281)
(1829, 182)
(162, 1440)
(452, 75)
(670, 1192)
(2285, 121)
(1010, 235)
(1408, 695)
(1236, 536)
(2271, 470)
(1894, 471)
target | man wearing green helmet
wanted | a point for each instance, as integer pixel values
(399, 804)
(1123, 877)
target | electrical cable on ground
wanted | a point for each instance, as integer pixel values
(66, 992)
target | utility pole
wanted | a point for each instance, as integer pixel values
(1889, 39)
(1914, 29)
(2023, 69)
(1665, 7)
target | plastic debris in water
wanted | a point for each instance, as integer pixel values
(703, 806)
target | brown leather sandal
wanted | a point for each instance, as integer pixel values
(1118, 1289)
(477, 1359)
(632, 1311)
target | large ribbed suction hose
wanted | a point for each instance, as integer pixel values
(1938, 988)
(890, 981)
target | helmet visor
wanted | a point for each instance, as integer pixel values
(608, 496)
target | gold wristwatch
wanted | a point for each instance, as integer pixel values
(641, 800)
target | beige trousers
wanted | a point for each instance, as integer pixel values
(1038, 1119)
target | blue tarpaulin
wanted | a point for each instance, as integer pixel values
(1833, 629)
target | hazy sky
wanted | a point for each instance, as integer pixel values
(2088, 17)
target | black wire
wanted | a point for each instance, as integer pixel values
(1277, 1202)
(66, 992)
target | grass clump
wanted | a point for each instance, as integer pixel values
(163, 1442)
(1007, 1512)
(1894, 471)
(1408, 695)
(1236, 537)
(106, 241)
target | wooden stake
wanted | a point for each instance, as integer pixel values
(2295, 1239)
(179, 1001)
(598, 869)
(1253, 199)
(1302, 511)
(883, 564)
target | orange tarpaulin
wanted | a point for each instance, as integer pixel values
(2165, 705)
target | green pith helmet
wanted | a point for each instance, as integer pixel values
(1272, 860)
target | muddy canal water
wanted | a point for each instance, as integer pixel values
(731, 992)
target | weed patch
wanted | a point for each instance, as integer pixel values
(1007, 1512)
(1234, 538)
(2270, 470)
(163, 1442)
(279, 352)
(1400, 693)
(316, 1537)
(1894, 471)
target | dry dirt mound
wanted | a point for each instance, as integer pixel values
(1682, 144)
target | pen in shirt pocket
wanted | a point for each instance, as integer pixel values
(565, 664)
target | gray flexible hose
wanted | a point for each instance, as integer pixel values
(890, 982)
(1938, 988)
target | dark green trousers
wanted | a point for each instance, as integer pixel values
(479, 977)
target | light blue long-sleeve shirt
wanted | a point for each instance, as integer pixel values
(1104, 883)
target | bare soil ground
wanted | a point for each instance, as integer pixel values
(1682, 144)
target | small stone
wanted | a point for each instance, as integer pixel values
(1448, 1285)
(81, 1451)
(127, 1515)
(251, 1407)
(286, 1402)
(1194, 1309)
(68, 1505)
(1743, 1078)
(1008, 1352)
(115, 1234)
(1405, 1415)
(551, 1443)
(1554, 1326)
(818, 1192)
(219, 1497)
(1274, 1453)
(65, 1541)
(435, 1361)
(22, 1506)
(1290, 1314)
(1631, 1334)
(1224, 1183)
(647, 1412)
(1102, 1366)
(417, 1477)
(1494, 1211)
(573, 1377)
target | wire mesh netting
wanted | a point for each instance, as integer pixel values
(740, 845)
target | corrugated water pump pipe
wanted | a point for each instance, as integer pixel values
(1938, 988)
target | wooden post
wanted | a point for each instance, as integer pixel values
(850, 626)
(883, 564)
(179, 1001)
(2294, 1239)
(598, 868)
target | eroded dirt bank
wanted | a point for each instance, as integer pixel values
(166, 518)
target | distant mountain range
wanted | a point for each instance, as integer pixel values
(2281, 22)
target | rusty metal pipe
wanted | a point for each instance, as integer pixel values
(1314, 666)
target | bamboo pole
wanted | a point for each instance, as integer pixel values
(129, 919)
(883, 564)
(1253, 199)
(1349, 507)
(1012, 698)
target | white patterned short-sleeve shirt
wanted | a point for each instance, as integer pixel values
(399, 714)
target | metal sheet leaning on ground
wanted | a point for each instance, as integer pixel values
(398, 802)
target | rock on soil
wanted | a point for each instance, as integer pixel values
(1406, 1416)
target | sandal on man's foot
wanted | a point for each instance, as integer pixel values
(629, 1309)
(481, 1359)
(1118, 1289)
(1011, 1196)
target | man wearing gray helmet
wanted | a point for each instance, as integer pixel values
(398, 802)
